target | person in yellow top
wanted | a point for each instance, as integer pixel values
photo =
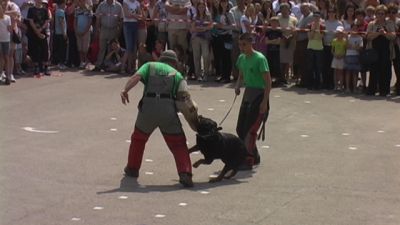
(339, 45)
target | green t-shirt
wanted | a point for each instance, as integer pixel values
(339, 47)
(161, 69)
(253, 69)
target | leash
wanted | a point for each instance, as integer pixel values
(228, 110)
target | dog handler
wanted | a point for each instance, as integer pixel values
(162, 83)
(254, 71)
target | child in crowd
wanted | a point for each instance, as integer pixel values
(60, 36)
(159, 48)
(338, 52)
(370, 13)
(16, 40)
(144, 56)
(273, 41)
(352, 61)
(5, 30)
(114, 58)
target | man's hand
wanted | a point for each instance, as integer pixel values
(124, 97)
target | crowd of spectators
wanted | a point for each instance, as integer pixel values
(345, 45)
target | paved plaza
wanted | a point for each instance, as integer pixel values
(328, 159)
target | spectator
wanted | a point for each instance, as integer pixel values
(5, 30)
(266, 10)
(114, 58)
(362, 28)
(73, 59)
(160, 13)
(16, 48)
(288, 43)
(151, 26)
(60, 35)
(132, 14)
(273, 41)
(351, 60)
(331, 24)
(370, 14)
(235, 14)
(142, 23)
(201, 36)
(222, 43)
(108, 24)
(83, 28)
(249, 19)
(315, 52)
(144, 56)
(394, 17)
(38, 18)
(338, 52)
(159, 48)
(380, 34)
(349, 17)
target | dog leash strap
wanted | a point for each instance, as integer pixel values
(228, 110)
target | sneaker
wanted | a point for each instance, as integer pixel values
(186, 179)
(96, 69)
(3, 76)
(199, 79)
(131, 172)
(61, 67)
(12, 78)
(82, 65)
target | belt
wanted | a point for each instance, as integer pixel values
(158, 95)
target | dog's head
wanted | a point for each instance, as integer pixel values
(207, 126)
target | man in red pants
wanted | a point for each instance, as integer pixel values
(157, 110)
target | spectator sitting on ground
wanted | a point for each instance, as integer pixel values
(159, 48)
(113, 60)
(144, 56)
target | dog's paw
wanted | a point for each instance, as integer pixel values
(195, 165)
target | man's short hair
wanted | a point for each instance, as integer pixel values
(247, 37)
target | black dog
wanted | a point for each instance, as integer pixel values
(214, 144)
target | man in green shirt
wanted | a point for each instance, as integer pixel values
(157, 109)
(254, 71)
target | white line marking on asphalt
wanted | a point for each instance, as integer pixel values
(345, 134)
(265, 146)
(204, 192)
(148, 160)
(76, 219)
(183, 204)
(149, 173)
(352, 147)
(196, 153)
(113, 118)
(98, 208)
(398, 145)
(307, 102)
(304, 135)
(123, 197)
(277, 96)
(222, 100)
(113, 129)
(213, 176)
(352, 100)
(128, 141)
(31, 129)
(381, 131)
(159, 216)
(210, 109)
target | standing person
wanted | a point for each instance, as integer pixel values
(273, 41)
(288, 42)
(254, 70)
(177, 30)
(351, 61)
(38, 18)
(201, 26)
(73, 59)
(394, 16)
(163, 83)
(331, 24)
(132, 14)
(222, 43)
(108, 24)
(83, 28)
(381, 34)
(60, 35)
(315, 52)
(338, 52)
(235, 14)
(160, 13)
(5, 30)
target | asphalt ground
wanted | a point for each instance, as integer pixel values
(328, 158)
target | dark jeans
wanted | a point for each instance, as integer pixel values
(38, 49)
(315, 65)
(73, 58)
(275, 64)
(222, 57)
(59, 49)
(381, 71)
(327, 72)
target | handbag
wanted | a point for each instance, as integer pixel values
(15, 38)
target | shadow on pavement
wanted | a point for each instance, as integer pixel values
(129, 184)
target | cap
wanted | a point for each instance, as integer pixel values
(339, 29)
(168, 56)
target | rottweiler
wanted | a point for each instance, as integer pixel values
(214, 144)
